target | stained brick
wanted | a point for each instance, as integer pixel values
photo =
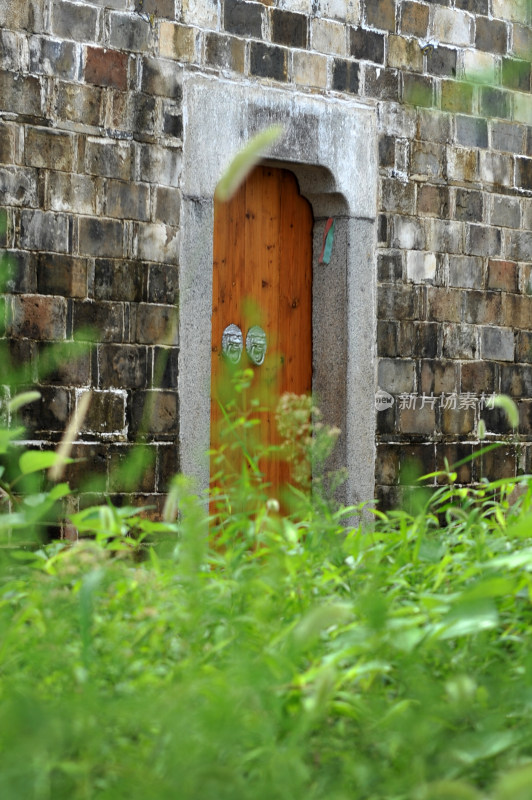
(408, 233)
(160, 165)
(62, 275)
(67, 191)
(466, 272)
(165, 367)
(64, 363)
(521, 41)
(380, 14)
(7, 144)
(161, 78)
(469, 206)
(18, 187)
(52, 57)
(462, 165)
(471, 131)
(516, 380)
(508, 136)
(119, 280)
(268, 62)
(519, 246)
(153, 412)
(494, 102)
(163, 284)
(161, 8)
(458, 421)
(414, 19)
(442, 61)
(420, 421)
(78, 103)
(389, 266)
(167, 465)
(396, 376)
(444, 304)
(289, 29)
(475, 6)
(106, 412)
(122, 366)
(75, 21)
(18, 273)
(88, 473)
(482, 240)
(28, 15)
(99, 322)
(404, 54)
(155, 324)
(42, 230)
(505, 211)
(367, 45)
(108, 158)
(428, 160)
(100, 237)
(20, 95)
(106, 68)
(328, 37)
(132, 468)
(516, 310)
(37, 317)
(479, 377)
(433, 200)
(45, 148)
(418, 90)
(452, 26)
(127, 200)
(496, 168)
(50, 413)
(497, 344)
(381, 83)
(452, 454)
(225, 52)
(172, 123)
(516, 74)
(491, 35)
(484, 308)
(168, 205)
(177, 42)
(439, 376)
(523, 350)
(523, 176)
(457, 97)
(398, 302)
(459, 341)
(244, 19)
(345, 76)
(129, 32)
(398, 196)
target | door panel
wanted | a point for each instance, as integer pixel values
(262, 275)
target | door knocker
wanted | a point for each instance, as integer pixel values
(232, 343)
(256, 345)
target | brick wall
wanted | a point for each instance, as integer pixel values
(90, 163)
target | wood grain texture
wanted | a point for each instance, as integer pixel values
(262, 275)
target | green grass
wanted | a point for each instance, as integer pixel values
(251, 655)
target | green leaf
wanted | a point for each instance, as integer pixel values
(450, 790)
(23, 400)
(245, 160)
(38, 460)
(515, 785)
(507, 405)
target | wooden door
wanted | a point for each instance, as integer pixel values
(262, 276)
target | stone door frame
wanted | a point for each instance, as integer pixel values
(331, 146)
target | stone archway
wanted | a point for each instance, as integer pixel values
(330, 145)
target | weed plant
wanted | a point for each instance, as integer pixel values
(258, 655)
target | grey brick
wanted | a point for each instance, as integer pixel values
(18, 187)
(130, 32)
(43, 230)
(52, 57)
(75, 21)
(497, 344)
